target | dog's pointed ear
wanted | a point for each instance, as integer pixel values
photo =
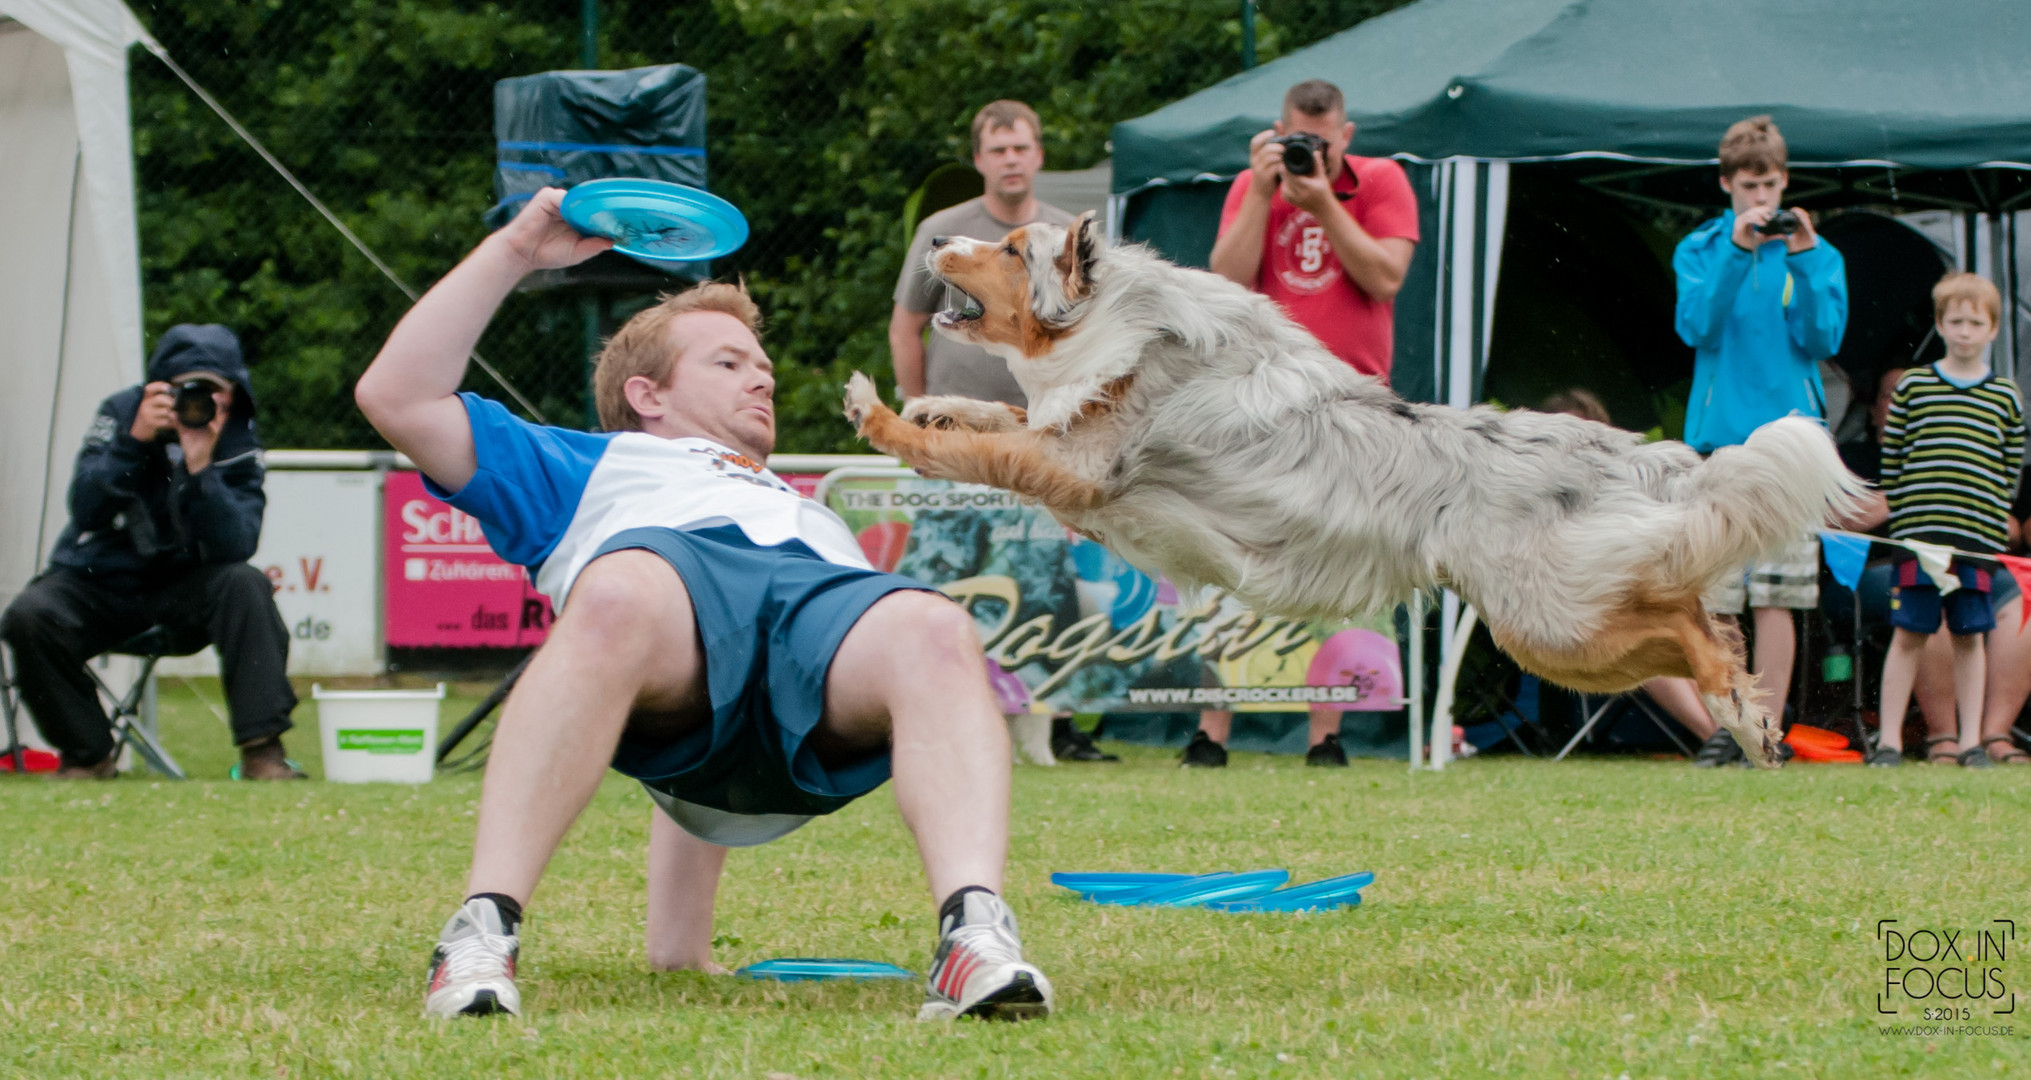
(1082, 247)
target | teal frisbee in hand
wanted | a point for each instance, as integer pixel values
(805, 969)
(656, 221)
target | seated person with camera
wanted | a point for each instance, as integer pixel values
(166, 506)
(1329, 237)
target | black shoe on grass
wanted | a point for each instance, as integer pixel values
(1068, 743)
(1884, 757)
(1203, 753)
(1328, 753)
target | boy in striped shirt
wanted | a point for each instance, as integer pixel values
(1952, 449)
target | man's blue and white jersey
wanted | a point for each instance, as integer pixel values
(549, 497)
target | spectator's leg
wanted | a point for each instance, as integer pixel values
(1681, 698)
(1218, 724)
(1969, 658)
(2009, 679)
(56, 624)
(1934, 690)
(1325, 721)
(233, 606)
(1776, 649)
(1900, 666)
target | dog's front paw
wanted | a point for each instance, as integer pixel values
(949, 413)
(861, 400)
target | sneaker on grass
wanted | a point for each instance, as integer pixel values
(979, 969)
(1719, 749)
(472, 972)
(1203, 753)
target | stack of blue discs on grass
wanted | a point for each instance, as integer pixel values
(1255, 890)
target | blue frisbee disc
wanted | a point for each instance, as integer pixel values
(656, 221)
(802, 969)
(1334, 892)
(1109, 882)
(1193, 891)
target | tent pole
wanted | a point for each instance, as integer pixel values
(1247, 33)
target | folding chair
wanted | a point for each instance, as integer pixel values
(1597, 712)
(148, 646)
(10, 705)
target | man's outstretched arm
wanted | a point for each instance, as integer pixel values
(410, 392)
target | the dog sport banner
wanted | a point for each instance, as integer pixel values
(1068, 625)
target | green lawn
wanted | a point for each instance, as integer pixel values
(1587, 920)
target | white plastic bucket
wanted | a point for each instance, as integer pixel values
(378, 734)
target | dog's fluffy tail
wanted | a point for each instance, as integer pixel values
(1779, 486)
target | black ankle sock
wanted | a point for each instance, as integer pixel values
(511, 912)
(953, 904)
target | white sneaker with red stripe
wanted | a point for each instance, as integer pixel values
(472, 972)
(979, 969)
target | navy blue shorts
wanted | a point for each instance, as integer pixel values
(1915, 602)
(769, 620)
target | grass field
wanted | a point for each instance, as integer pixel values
(1590, 919)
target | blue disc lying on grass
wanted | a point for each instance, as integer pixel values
(1089, 886)
(1171, 890)
(802, 969)
(656, 221)
(1335, 892)
(1210, 888)
(1256, 890)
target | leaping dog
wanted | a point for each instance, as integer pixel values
(1189, 425)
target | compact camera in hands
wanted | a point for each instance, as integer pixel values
(1303, 152)
(1781, 223)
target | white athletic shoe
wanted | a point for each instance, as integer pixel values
(472, 972)
(979, 970)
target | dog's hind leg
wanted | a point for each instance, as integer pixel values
(1714, 652)
(1018, 461)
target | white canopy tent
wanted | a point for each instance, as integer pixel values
(70, 285)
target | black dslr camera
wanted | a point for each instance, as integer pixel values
(1303, 153)
(1781, 223)
(194, 406)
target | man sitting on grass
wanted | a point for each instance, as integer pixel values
(720, 638)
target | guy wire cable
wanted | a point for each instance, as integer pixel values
(148, 41)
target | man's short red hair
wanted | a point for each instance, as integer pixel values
(641, 347)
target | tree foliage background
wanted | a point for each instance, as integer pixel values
(823, 116)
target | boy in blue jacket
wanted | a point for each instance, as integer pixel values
(1763, 301)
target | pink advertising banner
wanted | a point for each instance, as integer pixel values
(445, 587)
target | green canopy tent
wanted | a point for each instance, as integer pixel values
(1884, 103)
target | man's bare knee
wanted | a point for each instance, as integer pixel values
(931, 630)
(626, 598)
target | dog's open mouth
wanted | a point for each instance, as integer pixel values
(960, 307)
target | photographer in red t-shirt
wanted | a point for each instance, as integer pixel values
(1329, 237)
(1329, 244)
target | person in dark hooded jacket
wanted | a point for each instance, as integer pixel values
(164, 516)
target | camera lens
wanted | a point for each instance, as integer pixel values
(1297, 158)
(194, 406)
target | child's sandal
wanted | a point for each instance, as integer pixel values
(1976, 758)
(2010, 755)
(1942, 750)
